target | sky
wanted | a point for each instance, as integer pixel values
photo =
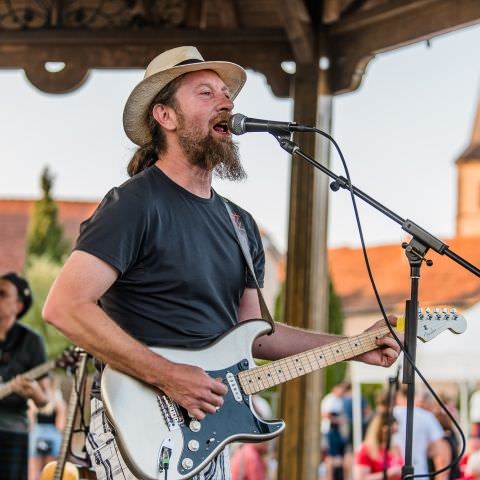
(400, 132)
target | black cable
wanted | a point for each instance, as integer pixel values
(392, 331)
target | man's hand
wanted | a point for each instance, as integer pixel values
(388, 350)
(26, 388)
(193, 389)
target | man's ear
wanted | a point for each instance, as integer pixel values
(165, 116)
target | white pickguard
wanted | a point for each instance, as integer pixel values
(133, 409)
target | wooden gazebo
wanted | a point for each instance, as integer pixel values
(260, 35)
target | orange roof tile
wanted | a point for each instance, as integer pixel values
(445, 283)
(14, 217)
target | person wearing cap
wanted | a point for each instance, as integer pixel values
(158, 263)
(21, 349)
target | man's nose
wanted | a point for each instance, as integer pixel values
(225, 103)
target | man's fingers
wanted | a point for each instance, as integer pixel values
(218, 387)
(388, 341)
(390, 353)
(392, 319)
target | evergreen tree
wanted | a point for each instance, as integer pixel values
(41, 272)
(334, 373)
(46, 250)
(45, 235)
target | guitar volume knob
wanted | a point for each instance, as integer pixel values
(195, 426)
(193, 445)
(187, 463)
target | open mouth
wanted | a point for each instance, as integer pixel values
(221, 127)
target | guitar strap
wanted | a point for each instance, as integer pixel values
(242, 239)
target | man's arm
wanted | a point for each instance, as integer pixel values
(288, 340)
(72, 308)
(441, 455)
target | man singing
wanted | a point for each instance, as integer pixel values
(158, 263)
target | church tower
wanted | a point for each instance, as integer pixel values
(468, 193)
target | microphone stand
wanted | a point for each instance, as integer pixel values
(415, 251)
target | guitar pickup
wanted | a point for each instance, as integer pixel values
(171, 413)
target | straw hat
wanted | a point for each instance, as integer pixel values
(162, 70)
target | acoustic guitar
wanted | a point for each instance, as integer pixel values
(66, 359)
(62, 469)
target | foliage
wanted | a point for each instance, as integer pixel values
(45, 235)
(334, 373)
(41, 272)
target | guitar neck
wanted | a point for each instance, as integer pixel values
(71, 410)
(32, 374)
(274, 373)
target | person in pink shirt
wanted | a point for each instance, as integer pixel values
(248, 462)
(371, 457)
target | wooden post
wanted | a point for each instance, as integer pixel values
(306, 298)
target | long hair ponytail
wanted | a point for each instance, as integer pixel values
(147, 154)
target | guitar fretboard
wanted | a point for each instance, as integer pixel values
(274, 373)
(32, 374)
(71, 410)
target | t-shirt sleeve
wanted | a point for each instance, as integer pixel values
(115, 231)
(257, 252)
(436, 431)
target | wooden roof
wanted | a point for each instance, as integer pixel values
(258, 34)
(444, 284)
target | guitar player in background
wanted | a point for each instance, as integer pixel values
(21, 349)
(159, 263)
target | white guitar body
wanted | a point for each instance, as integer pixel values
(141, 427)
(152, 431)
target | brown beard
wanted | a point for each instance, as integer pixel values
(205, 151)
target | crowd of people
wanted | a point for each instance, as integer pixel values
(381, 454)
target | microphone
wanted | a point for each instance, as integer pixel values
(239, 124)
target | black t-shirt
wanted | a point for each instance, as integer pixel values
(181, 270)
(22, 350)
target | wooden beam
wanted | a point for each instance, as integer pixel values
(333, 9)
(306, 298)
(355, 40)
(196, 16)
(227, 13)
(298, 26)
(120, 49)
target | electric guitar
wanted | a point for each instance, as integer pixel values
(64, 360)
(61, 469)
(160, 441)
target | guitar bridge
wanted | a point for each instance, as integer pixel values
(171, 413)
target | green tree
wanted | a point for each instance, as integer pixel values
(46, 250)
(45, 235)
(334, 373)
(41, 272)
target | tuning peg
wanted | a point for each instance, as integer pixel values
(420, 314)
(453, 312)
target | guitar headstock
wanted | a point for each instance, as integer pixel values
(69, 357)
(432, 322)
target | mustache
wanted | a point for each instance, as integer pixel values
(221, 117)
